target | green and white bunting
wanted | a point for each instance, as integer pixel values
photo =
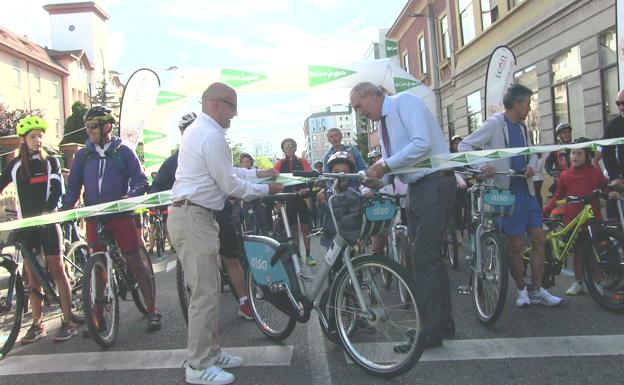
(237, 78)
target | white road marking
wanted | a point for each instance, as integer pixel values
(171, 265)
(134, 360)
(506, 348)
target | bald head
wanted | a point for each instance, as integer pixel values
(619, 101)
(219, 101)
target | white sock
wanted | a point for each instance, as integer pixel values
(242, 300)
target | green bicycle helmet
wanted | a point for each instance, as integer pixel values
(30, 123)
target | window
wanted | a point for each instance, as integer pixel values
(489, 13)
(513, 3)
(17, 73)
(37, 75)
(607, 54)
(446, 38)
(528, 77)
(473, 107)
(568, 90)
(466, 20)
(406, 61)
(422, 54)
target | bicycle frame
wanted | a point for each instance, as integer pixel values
(574, 227)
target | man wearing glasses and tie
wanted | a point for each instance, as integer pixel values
(408, 132)
(613, 156)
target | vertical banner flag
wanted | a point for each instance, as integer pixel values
(619, 20)
(138, 100)
(499, 77)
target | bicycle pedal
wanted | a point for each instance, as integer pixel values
(464, 290)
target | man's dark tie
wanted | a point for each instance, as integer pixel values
(385, 136)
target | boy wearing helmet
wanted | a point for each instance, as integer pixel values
(38, 181)
(579, 180)
(559, 161)
(109, 170)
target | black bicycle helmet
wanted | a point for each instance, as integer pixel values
(341, 157)
(186, 121)
(588, 150)
(99, 113)
(563, 126)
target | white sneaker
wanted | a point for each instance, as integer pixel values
(226, 360)
(214, 375)
(576, 288)
(600, 288)
(543, 297)
(523, 298)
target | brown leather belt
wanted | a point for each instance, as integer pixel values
(186, 202)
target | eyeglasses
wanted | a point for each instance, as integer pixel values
(91, 126)
(290, 145)
(619, 103)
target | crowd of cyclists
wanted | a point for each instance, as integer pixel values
(107, 170)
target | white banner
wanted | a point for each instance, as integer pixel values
(619, 19)
(138, 100)
(498, 78)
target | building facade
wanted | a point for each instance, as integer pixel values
(565, 52)
(315, 130)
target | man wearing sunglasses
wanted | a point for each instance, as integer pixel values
(613, 156)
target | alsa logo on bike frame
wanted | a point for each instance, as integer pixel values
(259, 264)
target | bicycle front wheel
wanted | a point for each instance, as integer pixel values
(451, 247)
(386, 323)
(184, 292)
(271, 321)
(101, 301)
(603, 266)
(489, 281)
(75, 262)
(11, 306)
(159, 238)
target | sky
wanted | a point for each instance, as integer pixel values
(242, 34)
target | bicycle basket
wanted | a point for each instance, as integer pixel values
(498, 202)
(356, 217)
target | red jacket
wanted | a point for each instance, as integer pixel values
(578, 182)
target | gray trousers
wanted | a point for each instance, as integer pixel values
(430, 204)
(195, 235)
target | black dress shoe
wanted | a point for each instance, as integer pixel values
(433, 339)
(448, 328)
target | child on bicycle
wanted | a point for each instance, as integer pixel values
(38, 181)
(579, 180)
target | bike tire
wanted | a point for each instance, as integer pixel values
(271, 321)
(604, 258)
(388, 318)
(104, 336)
(493, 279)
(75, 262)
(452, 251)
(184, 292)
(137, 295)
(279, 231)
(158, 238)
(11, 306)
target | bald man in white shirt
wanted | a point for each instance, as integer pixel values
(204, 179)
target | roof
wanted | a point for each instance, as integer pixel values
(76, 54)
(79, 7)
(22, 47)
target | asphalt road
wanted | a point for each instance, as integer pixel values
(576, 343)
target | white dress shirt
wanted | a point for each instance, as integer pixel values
(414, 133)
(205, 175)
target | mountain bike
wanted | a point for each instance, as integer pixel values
(14, 291)
(108, 278)
(488, 247)
(158, 230)
(603, 252)
(348, 293)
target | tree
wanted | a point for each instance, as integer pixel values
(263, 162)
(74, 125)
(237, 149)
(10, 118)
(361, 141)
(140, 151)
(103, 96)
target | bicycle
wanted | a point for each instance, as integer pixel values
(355, 302)
(450, 247)
(14, 288)
(603, 257)
(102, 303)
(158, 231)
(488, 248)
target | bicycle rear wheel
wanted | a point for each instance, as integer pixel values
(489, 283)
(387, 323)
(101, 310)
(137, 294)
(271, 321)
(603, 266)
(11, 306)
(184, 292)
(75, 262)
(451, 249)
(159, 238)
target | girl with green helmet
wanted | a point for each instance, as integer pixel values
(38, 181)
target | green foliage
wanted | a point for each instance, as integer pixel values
(9, 118)
(361, 141)
(104, 96)
(263, 162)
(74, 125)
(140, 151)
(237, 149)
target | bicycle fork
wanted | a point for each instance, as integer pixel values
(476, 265)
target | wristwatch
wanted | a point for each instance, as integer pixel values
(385, 167)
